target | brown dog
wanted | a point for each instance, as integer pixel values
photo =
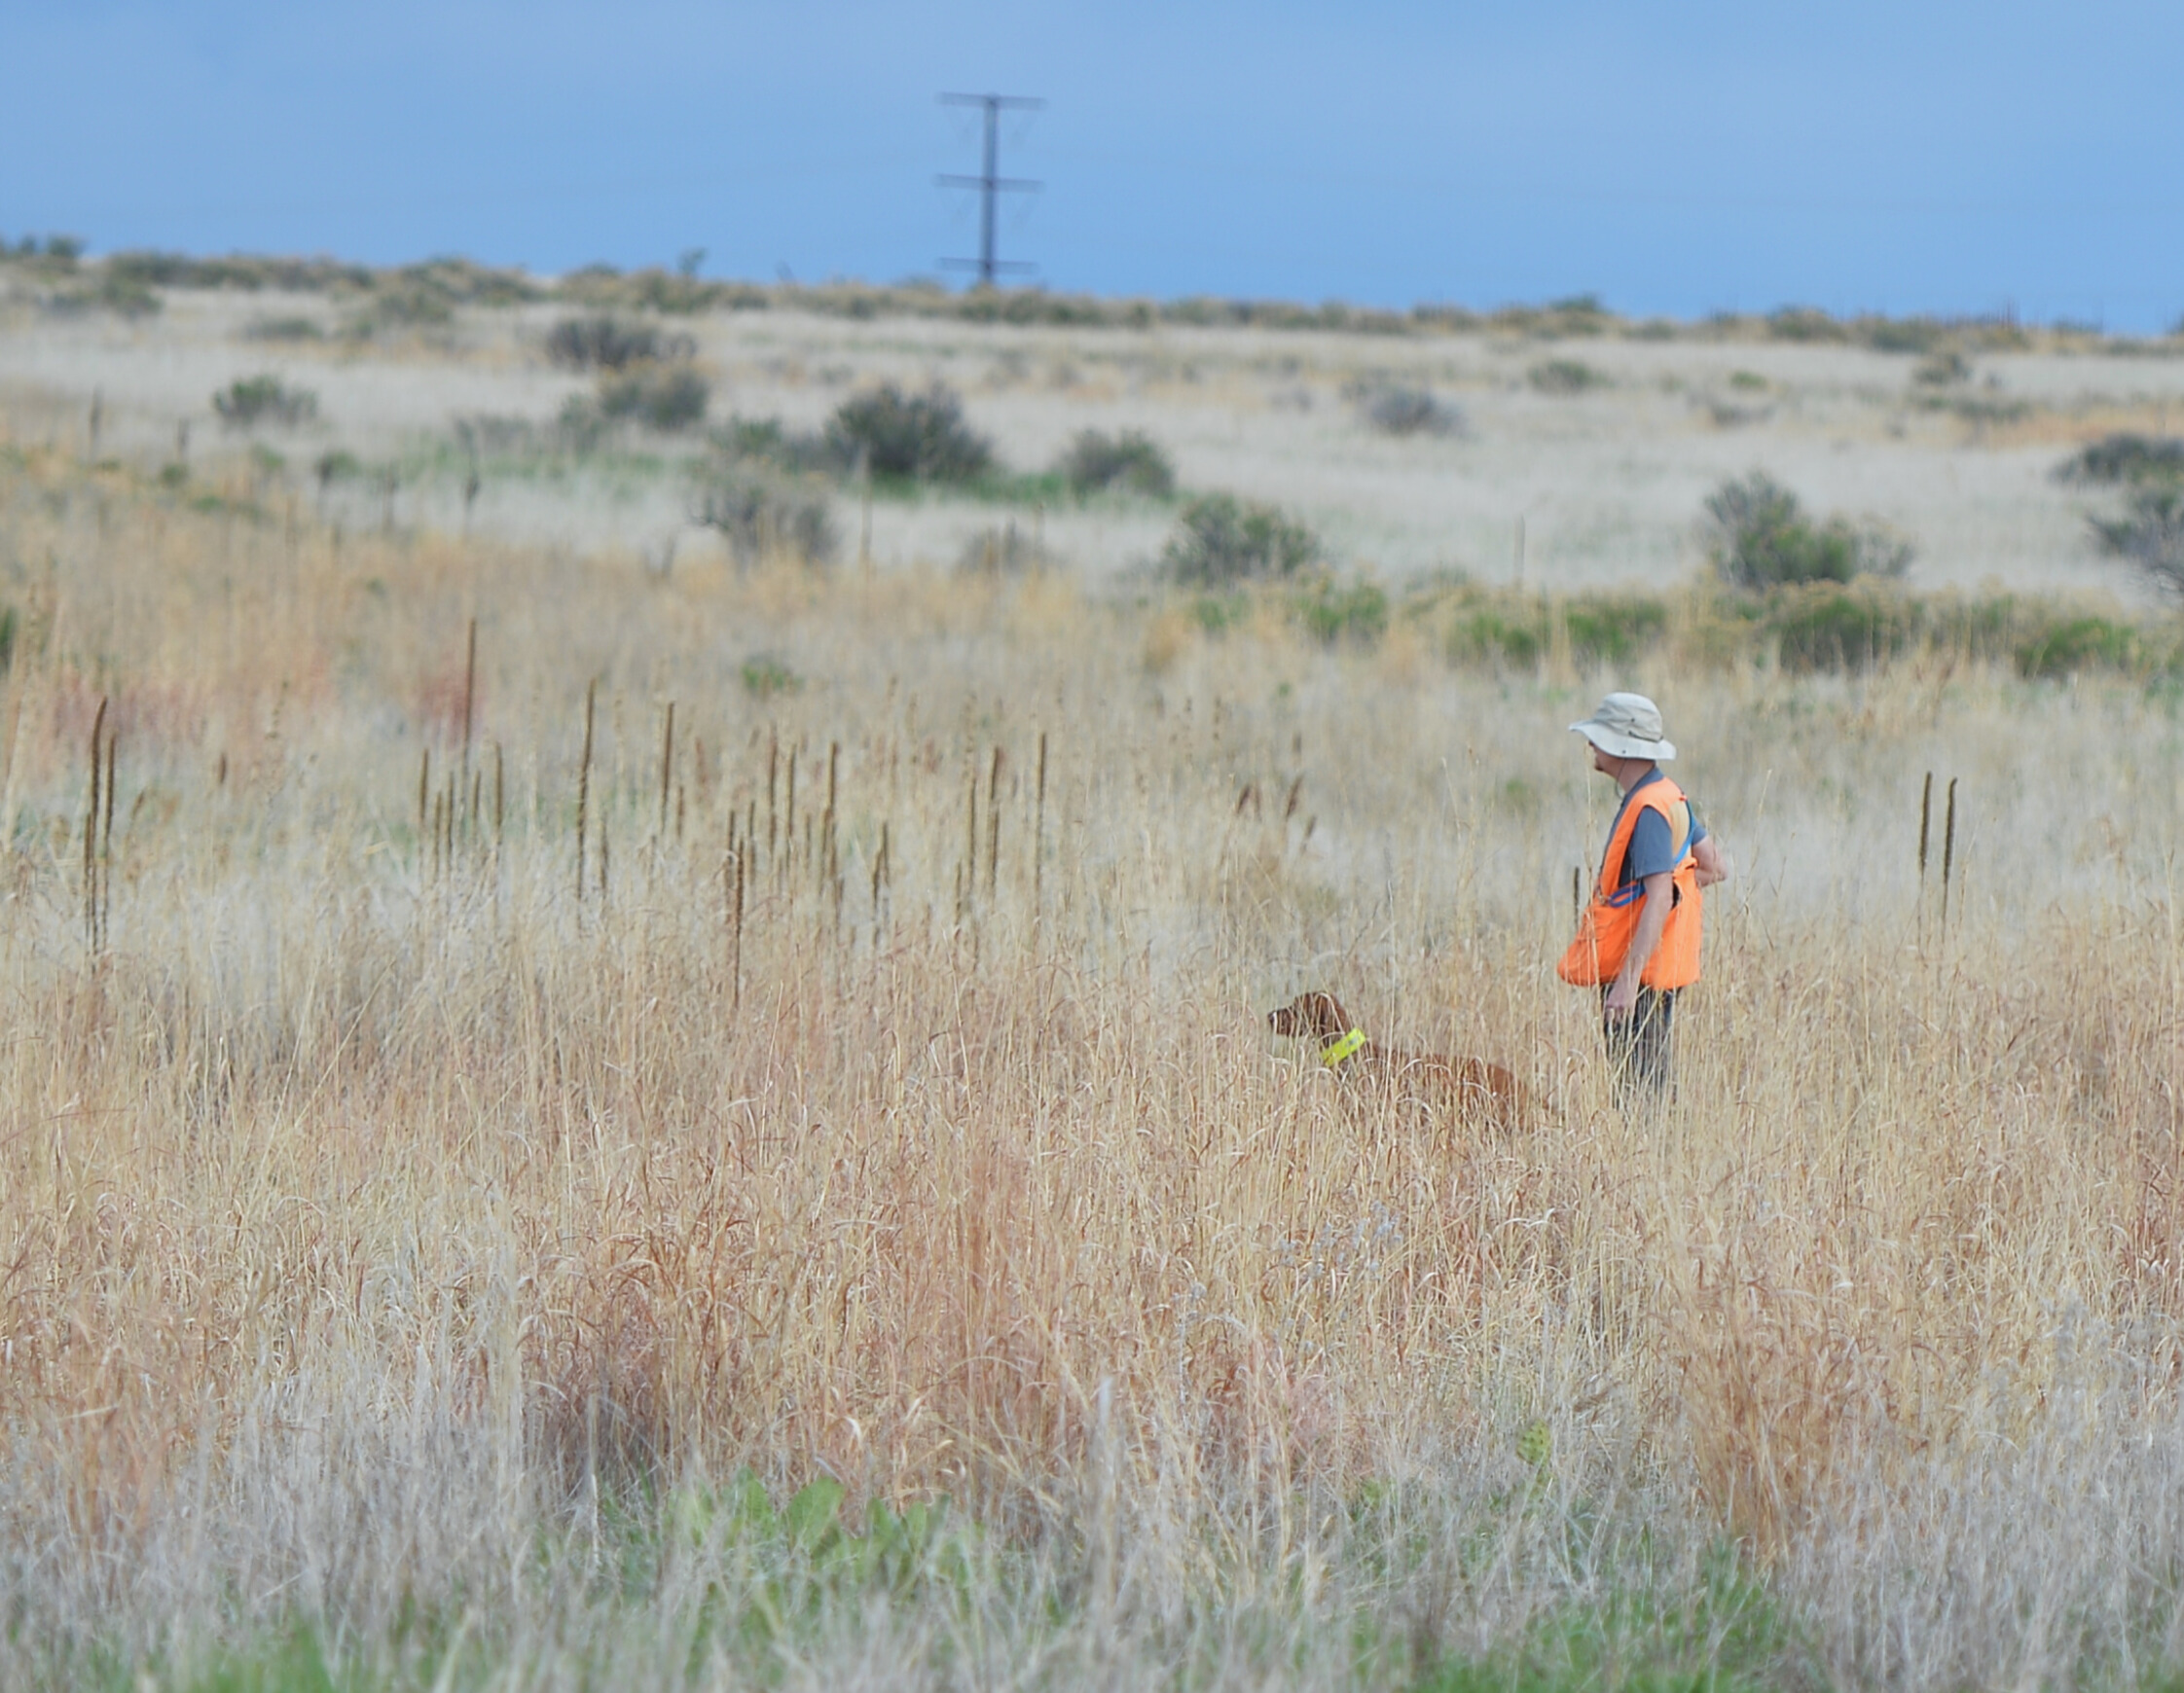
(1471, 1088)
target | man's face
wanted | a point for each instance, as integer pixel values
(1606, 764)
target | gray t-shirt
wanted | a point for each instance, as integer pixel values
(1651, 851)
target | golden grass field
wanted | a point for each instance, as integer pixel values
(416, 1223)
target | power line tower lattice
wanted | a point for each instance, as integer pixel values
(990, 182)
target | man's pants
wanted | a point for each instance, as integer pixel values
(1639, 1048)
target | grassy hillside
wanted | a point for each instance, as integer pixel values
(805, 1193)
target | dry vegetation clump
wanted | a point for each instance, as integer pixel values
(533, 1158)
(249, 401)
(1128, 462)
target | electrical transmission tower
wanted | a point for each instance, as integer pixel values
(989, 182)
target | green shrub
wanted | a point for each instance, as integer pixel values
(1406, 410)
(1835, 630)
(1903, 335)
(122, 294)
(1219, 539)
(1804, 323)
(768, 441)
(764, 676)
(284, 329)
(760, 512)
(1565, 377)
(2150, 535)
(1001, 549)
(1760, 538)
(663, 397)
(1332, 611)
(1487, 637)
(601, 342)
(2125, 458)
(2080, 643)
(1614, 629)
(1219, 613)
(1945, 368)
(248, 401)
(921, 437)
(1130, 461)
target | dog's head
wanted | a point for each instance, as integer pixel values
(1312, 1016)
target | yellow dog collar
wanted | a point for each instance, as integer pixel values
(1342, 1048)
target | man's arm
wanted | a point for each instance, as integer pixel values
(1623, 997)
(1712, 866)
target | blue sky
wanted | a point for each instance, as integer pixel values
(1677, 159)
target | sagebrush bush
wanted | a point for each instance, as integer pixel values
(2124, 458)
(1565, 377)
(1219, 539)
(664, 397)
(249, 401)
(602, 341)
(1130, 461)
(762, 513)
(1003, 549)
(2077, 645)
(917, 437)
(2149, 535)
(1758, 537)
(284, 329)
(1841, 629)
(1333, 611)
(769, 440)
(1397, 409)
(1945, 369)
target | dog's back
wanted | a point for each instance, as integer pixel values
(1476, 1090)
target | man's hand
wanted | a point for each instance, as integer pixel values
(1622, 995)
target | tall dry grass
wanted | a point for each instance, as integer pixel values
(412, 1224)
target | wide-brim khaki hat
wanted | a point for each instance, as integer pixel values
(1626, 726)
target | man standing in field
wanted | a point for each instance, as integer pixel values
(1638, 939)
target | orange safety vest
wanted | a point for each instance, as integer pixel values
(1604, 930)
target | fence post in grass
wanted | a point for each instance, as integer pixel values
(470, 689)
(788, 819)
(584, 783)
(90, 832)
(1925, 825)
(106, 842)
(966, 885)
(667, 767)
(993, 829)
(1948, 852)
(879, 881)
(1038, 835)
